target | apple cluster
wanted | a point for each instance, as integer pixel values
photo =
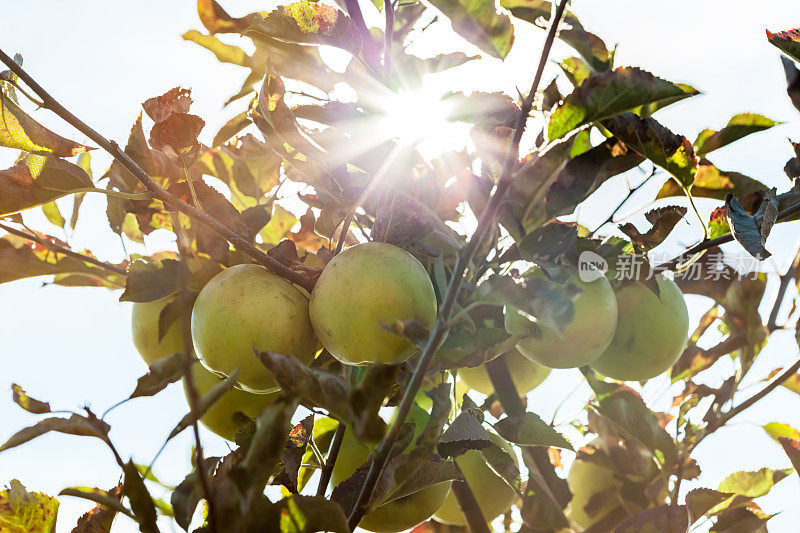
(360, 299)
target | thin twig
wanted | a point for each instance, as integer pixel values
(171, 202)
(388, 38)
(786, 279)
(368, 45)
(476, 522)
(333, 454)
(774, 384)
(66, 251)
(487, 219)
(185, 301)
(705, 244)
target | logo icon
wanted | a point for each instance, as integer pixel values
(591, 266)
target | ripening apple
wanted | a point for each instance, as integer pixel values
(525, 374)
(247, 308)
(363, 289)
(402, 513)
(230, 412)
(585, 480)
(144, 325)
(651, 334)
(583, 339)
(493, 494)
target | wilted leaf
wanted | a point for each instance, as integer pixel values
(205, 403)
(661, 519)
(141, 502)
(176, 137)
(606, 94)
(150, 281)
(53, 214)
(530, 430)
(38, 179)
(738, 126)
(792, 81)
(663, 220)
(292, 457)
(18, 130)
(464, 433)
(161, 373)
(480, 23)
(217, 20)
(74, 425)
(751, 231)
(788, 41)
(673, 153)
(741, 519)
(31, 405)
(792, 448)
(268, 443)
(26, 512)
(753, 484)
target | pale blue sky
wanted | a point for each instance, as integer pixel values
(101, 59)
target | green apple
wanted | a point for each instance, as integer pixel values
(494, 495)
(402, 513)
(525, 374)
(227, 415)
(144, 325)
(363, 289)
(247, 308)
(583, 339)
(651, 334)
(585, 480)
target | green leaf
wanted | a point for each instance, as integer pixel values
(777, 431)
(738, 126)
(38, 179)
(587, 44)
(98, 496)
(661, 519)
(53, 214)
(753, 484)
(22, 259)
(26, 512)
(225, 53)
(673, 153)
(141, 502)
(479, 22)
(149, 281)
(18, 130)
(307, 514)
(188, 493)
(606, 94)
(627, 411)
(701, 501)
(74, 425)
(31, 405)
(217, 20)
(584, 173)
(575, 69)
(504, 465)
(711, 182)
(718, 223)
(530, 430)
(308, 23)
(788, 41)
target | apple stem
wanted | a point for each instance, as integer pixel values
(485, 222)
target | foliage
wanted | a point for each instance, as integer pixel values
(286, 129)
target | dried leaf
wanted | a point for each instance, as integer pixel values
(530, 430)
(20, 131)
(23, 512)
(31, 405)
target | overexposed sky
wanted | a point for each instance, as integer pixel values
(102, 59)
